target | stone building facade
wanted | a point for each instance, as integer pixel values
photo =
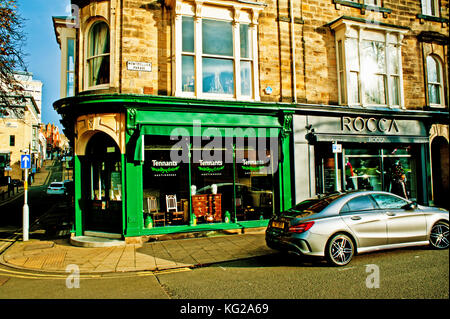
(143, 32)
(307, 69)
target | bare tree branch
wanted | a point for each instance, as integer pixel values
(12, 42)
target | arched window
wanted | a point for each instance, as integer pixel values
(435, 85)
(98, 53)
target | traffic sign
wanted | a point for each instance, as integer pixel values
(25, 162)
(337, 148)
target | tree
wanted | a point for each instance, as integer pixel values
(12, 41)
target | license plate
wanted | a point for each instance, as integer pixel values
(278, 225)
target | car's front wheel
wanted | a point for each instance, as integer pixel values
(340, 250)
(439, 235)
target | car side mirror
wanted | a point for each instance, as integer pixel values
(410, 206)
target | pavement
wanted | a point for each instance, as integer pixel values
(55, 256)
(50, 250)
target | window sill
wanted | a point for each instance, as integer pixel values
(362, 7)
(423, 17)
(211, 96)
(436, 107)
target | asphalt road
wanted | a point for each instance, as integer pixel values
(38, 202)
(401, 274)
(419, 273)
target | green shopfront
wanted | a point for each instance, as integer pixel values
(149, 165)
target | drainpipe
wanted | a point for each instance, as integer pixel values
(294, 77)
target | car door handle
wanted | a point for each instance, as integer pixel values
(390, 214)
(355, 218)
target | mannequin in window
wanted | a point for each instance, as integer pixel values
(398, 180)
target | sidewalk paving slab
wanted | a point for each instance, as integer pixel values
(55, 256)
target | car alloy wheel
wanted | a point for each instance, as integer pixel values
(439, 235)
(340, 250)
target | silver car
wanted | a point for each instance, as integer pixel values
(340, 225)
(56, 188)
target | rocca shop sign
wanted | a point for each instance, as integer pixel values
(369, 125)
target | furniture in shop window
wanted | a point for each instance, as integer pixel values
(157, 217)
(207, 207)
(184, 207)
(172, 209)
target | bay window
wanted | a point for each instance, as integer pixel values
(215, 55)
(368, 63)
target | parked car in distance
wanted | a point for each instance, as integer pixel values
(56, 188)
(338, 226)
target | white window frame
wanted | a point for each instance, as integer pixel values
(66, 31)
(87, 75)
(346, 30)
(68, 71)
(440, 82)
(430, 8)
(236, 13)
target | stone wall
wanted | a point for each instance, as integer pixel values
(144, 34)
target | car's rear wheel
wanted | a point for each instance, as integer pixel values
(439, 235)
(340, 250)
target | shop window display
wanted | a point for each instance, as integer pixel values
(164, 181)
(239, 182)
(254, 183)
(388, 168)
(212, 182)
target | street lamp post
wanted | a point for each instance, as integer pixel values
(26, 210)
(25, 163)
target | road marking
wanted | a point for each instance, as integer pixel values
(346, 268)
(171, 271)
(29, 275)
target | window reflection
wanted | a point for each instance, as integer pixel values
(218, 76)
(187, 73)
(434, 80)
(188, 34)
(217, 37)
(374, 78)
(245, 41)
(246, 78)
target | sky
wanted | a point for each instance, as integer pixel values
(43, 53)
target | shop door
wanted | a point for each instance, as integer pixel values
(104, 204)
(440, 164)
